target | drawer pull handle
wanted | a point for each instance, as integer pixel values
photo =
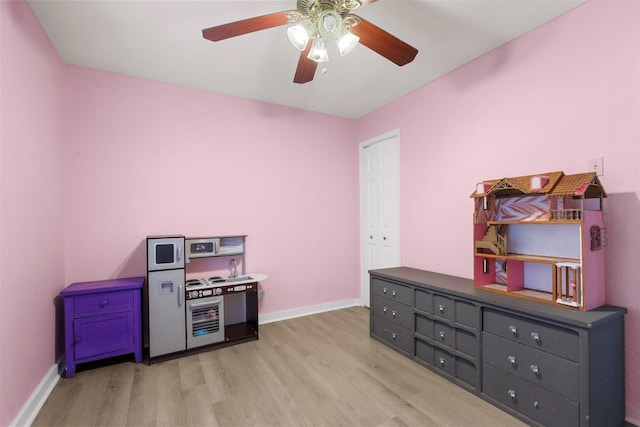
(393, 314)
(384, 310)
(104, 303)
(441, 308)
(442, 335)
(512, 359)
(384, 291)
(536, 404)
(513, 330)
(441, 361)
(76, 340)
(535, 370)
(535, 336)
(393, 293)
(394, 335)
(511, 394)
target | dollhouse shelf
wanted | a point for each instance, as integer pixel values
(530, 258)
(563, 221)
(541, 237)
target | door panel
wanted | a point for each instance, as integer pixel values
(380, 206)
(104, 334)
(167, 333)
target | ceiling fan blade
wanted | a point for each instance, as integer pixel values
(238, 28)
(306, 67)
(383, 43)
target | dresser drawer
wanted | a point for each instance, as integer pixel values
(466, 371)
(459, 339)
(424, 301)
(103, 302)
(445, 361)
(444, 334)
(535, 402)
(424, 326)
(454, 366)
(424, 352)
(400, 293)
(546, 370)
(443, 307)
(394, 334)
(543, 336)
(467, 314)
(458, 311)
(466, 342)
(392, 310)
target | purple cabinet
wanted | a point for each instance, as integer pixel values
(102, 319)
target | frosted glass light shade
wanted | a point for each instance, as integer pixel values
(329, 25)
(300, 34)
(318, 50)
(346, 42)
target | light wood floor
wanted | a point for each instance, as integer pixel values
(320, 370)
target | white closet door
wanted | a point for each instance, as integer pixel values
(379, 206)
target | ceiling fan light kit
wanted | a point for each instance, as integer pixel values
(300, 34)
(318, 50)
(328, 25)
(316, 22)
(346, 42)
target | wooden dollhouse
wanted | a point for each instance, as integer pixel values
(541, 237)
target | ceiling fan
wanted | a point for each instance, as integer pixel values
(316, 22)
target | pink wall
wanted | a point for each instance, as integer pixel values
(552, 99)
(288, 178)
(148, 158)
(31, 209)
(285, 177)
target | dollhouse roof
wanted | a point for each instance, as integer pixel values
(558, 184)
(579, 185)
(519, 185)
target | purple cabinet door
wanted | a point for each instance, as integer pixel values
(105, 335)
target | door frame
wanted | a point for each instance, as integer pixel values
(364, 275)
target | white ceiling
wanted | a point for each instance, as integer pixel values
(162, 40)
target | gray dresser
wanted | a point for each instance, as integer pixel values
(544, 364)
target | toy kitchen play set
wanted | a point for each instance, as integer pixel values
(195, 297)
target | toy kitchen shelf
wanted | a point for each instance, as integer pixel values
(222, 246)
(541, 237)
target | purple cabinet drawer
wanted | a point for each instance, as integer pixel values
(103, 302)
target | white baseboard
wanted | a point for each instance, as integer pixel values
(306, 311)
(31, 408)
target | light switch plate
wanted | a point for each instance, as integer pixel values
(597, 166)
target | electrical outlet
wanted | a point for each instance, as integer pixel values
(597, 166)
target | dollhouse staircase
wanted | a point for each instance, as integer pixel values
(493, 240)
